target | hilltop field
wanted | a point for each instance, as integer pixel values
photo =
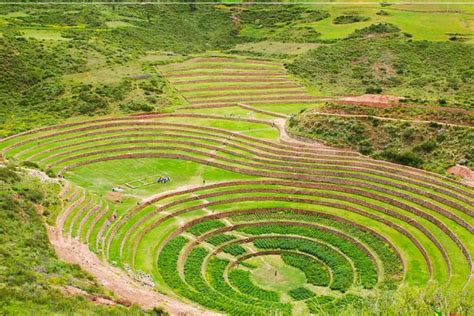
(236, 159)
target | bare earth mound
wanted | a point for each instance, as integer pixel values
(464, 173)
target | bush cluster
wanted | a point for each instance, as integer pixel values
(431, 146)
(347, 19)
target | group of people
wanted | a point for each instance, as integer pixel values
(163, 179)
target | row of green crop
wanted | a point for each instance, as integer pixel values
(301, 293)
(195, 286)
(365, 267)
(330, 306)
(218, 239)
(241, 280)
(391, 261)
(317, 303)
(235, 250)
(203, 227)
(343, 275)
(215, 275)
(315, 272)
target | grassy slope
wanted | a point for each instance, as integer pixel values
(64, 61)
(31, 274)
(47, 80)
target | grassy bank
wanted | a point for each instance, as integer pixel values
(32, 279)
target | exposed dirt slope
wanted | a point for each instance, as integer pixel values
(125, 288)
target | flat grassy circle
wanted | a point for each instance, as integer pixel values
(273, 274)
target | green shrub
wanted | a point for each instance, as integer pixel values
(347, 19)
(8, 175)
(427, 146)
(136, 106)
(376, 29)
(373, 90)
(50, 173)
(408, 157)
(30, 164)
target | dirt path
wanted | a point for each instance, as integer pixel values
(125, 288)
(280, 124)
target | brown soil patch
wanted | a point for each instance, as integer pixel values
(74, 291)
(373, 98)
(463, 172)
(115, 197)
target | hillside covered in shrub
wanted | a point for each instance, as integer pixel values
(430, 146)
(34, 89)
(412, 69)
(31, 276)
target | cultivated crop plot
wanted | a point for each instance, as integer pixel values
(236, 159)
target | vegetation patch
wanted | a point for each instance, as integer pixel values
(421, 69)
(431, 146)
(32, 276)
(378, 29)
(347, 19)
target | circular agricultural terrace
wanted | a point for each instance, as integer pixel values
(270, 225)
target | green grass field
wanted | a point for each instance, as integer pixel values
(173, 160)
(229, 174)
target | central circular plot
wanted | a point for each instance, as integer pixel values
(272, 273)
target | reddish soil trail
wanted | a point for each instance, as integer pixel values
(127, 290)
(284, 137)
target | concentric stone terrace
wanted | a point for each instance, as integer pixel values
(251, 222)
